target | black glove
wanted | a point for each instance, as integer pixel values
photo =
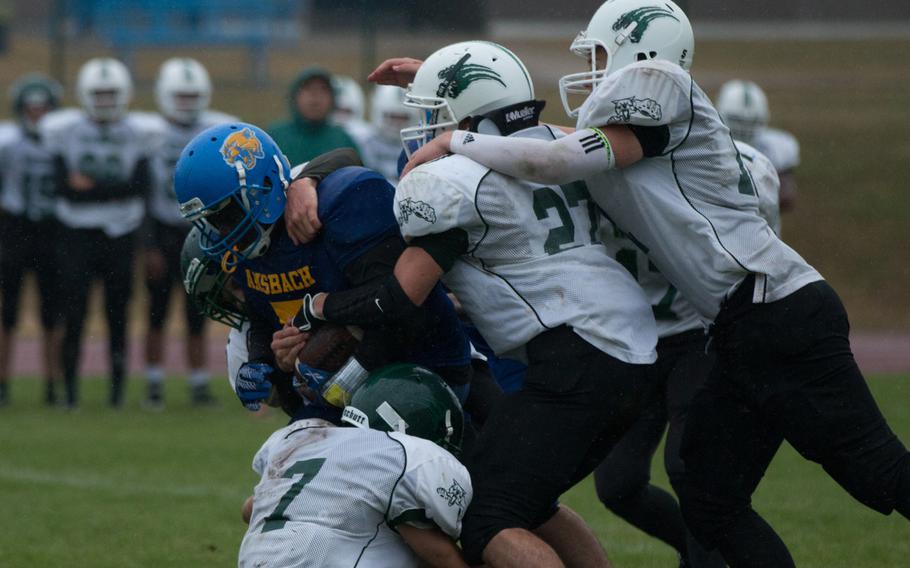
(306, 320)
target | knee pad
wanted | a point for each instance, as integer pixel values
(618, 486)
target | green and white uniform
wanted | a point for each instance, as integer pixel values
(331, 497)
(694, 208)
(535, 260)
(672, 312)
(105, 153)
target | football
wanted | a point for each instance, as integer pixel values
(329, 347)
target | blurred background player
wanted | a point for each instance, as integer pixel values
(101, 168)
(389, 116)
(386, 492)
(183, 92)
(309, 130)
(350, 109)
(744, 108)
(28, 228)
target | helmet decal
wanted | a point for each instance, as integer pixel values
(642, 18)
(243, 146)
(458, 77)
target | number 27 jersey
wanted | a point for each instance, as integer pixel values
(534, 259)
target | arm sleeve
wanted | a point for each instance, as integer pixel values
(321, 166)
(435, 493)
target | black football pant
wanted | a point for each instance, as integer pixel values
(28, 245)
(86, 254)
(623, 479)
(784, 371)
(169, 240)
(538, 442)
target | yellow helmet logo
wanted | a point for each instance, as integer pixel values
(243, 146)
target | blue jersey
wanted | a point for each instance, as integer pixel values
(355, 207)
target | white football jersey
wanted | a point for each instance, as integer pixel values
(672, 312)
(779, 146)
(109, 152)
(238, 352)
(694, 209)
(168, 145)
(535, 260)
(330, 497)
(381, 154)
(28, 188)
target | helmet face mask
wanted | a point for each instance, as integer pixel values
(183, 90)
(627, 31)
(230, 182)
(437, 118)
(208, 287)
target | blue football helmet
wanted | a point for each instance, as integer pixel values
(230, 182)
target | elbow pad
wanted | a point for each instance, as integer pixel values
(370, 305)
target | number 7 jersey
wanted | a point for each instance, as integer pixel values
(534, 259)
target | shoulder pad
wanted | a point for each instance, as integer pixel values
(355, 205)
(61, 119)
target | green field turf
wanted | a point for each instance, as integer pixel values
(128, 488)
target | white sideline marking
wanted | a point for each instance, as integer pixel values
(113, 485)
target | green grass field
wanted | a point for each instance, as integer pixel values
(126, 488)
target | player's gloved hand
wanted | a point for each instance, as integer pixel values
(306, 319)
(310, 377)
(253, 385)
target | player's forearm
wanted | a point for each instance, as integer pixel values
(432, 547)
(573, 157)
(324, 164)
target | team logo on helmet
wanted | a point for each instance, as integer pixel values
(643, 18)
(458, 77)
(243, 146)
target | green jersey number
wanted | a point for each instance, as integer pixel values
(102, 168)
(562, 238)
(663, 309)
(307, 470)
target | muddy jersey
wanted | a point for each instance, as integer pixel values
(171, 140)
(331, 497)
(693, 209)
(535, 260)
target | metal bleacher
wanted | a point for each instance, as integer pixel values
(128, 25)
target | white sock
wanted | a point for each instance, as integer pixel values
(199, 377)
(154, 374)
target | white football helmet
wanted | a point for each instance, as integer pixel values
(349, 100)
(104, 88)
(628, 31)
(183, 90)
(460, 81)
(744, 108)
(388, 113)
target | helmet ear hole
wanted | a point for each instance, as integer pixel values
(652, 54)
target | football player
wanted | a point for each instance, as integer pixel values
(526, 264)
(101, 169)
(387, 492)
(183, 91)
(230, 182)
(660, 162)
(28, 229)
(744, 108)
